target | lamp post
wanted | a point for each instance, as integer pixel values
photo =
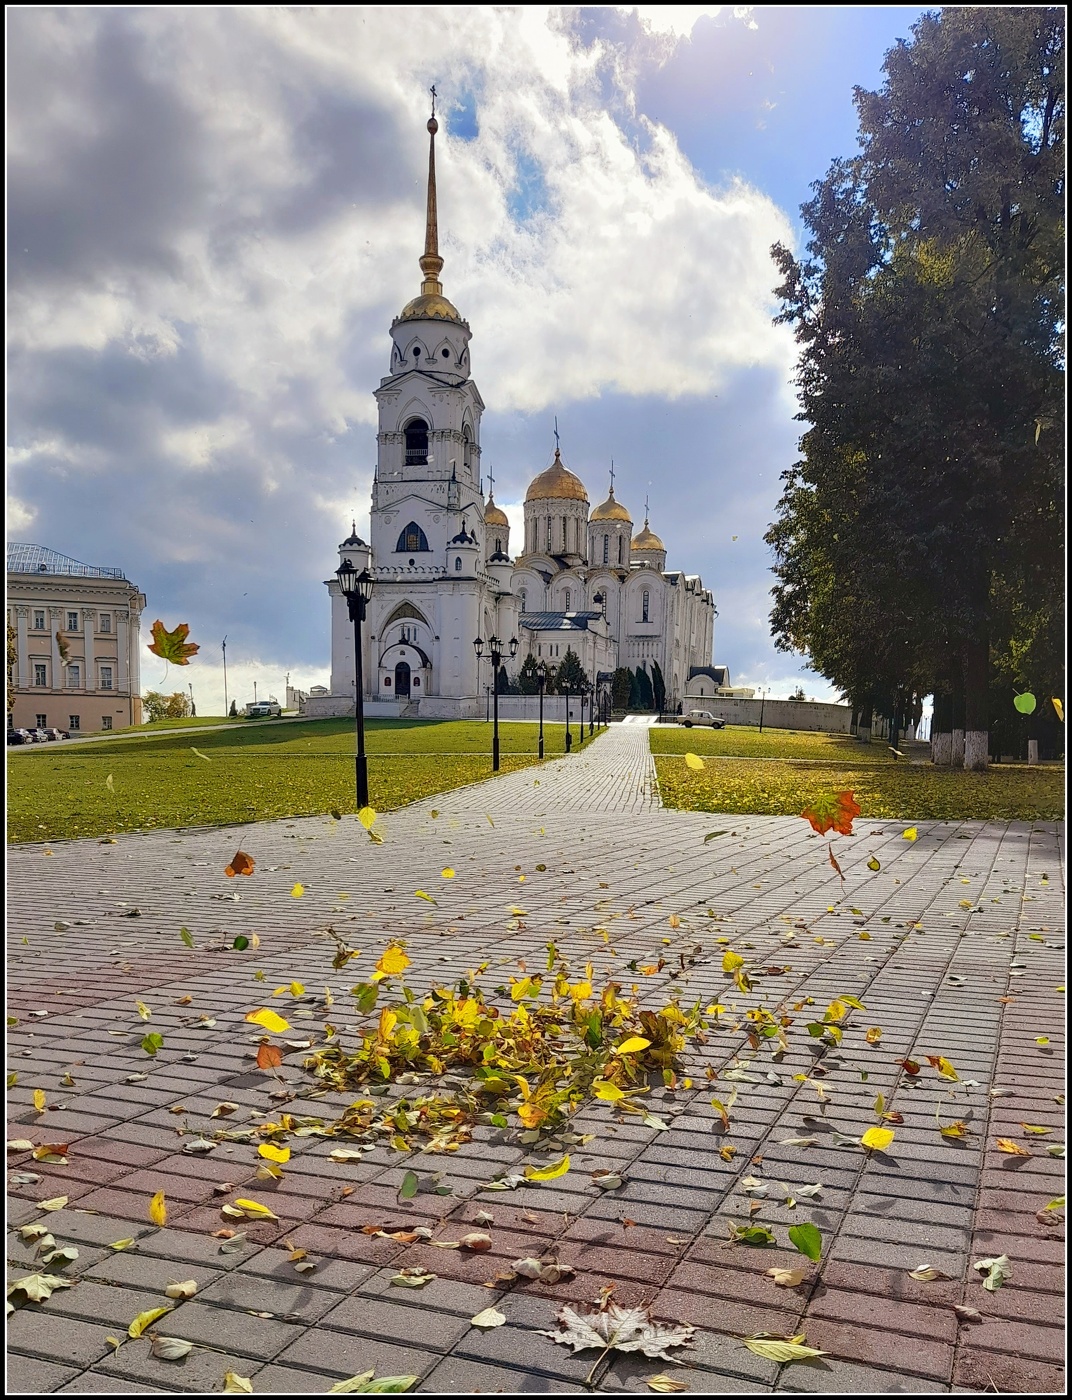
(762, 703)
(541, 677)
(569, 736)
(591, 709)
(495, 656)
(357, 590)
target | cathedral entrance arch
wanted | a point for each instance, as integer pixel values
(402, 681)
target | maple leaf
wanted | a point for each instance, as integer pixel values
(173, 646)
(833, 811)
(615, 1328)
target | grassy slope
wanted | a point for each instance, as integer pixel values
(250, 774)
(782, 771)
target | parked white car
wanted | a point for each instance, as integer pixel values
(264, 709)
(701, 717)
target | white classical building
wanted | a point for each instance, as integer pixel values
(441, 557)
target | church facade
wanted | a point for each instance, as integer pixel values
(441, 555)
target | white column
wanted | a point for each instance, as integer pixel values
(54, 616)
(22, 668)
(89, 619)
(122, 654)
(134, 652)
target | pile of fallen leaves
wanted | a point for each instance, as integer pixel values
(536, 1049)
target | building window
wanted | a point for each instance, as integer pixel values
(549, 534)
(606, 549)
(72, 622)
(620, 547)
(74, 722)
(498, 545)
(412, 540)
(569, 595)
(105, 622)
(523, 596)
(42, 721)
(39, 674)
(416, 437)
(564, 545)
(106, 722)
(105, 678)
(458, 565)
(39, 619)
(644, 618)
(74, 676)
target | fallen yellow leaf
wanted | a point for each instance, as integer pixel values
(877, 1139)
(158, 1209)
(274, 1154)
(267, 1018)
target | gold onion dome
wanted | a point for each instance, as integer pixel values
(646, 541)
(431, 307)
(494, 516)
(557, 483)
(611, 510)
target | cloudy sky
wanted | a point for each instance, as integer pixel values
(215, 213)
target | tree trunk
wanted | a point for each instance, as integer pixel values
(942, 722)
(863, 729)
(977, 703)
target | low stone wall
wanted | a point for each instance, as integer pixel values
(777, 714)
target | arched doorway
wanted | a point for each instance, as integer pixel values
(402, 680)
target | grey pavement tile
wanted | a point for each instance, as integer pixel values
(29, 1375)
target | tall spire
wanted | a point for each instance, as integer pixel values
(431, 263)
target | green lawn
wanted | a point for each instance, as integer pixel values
(745, 741)
(250, 773)
(780, 772)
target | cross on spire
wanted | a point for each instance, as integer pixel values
(645, 512)
(556, 435)
(612, 476)
(491, 481)
(433, 92)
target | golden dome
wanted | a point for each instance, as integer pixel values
(647, 541)
(494, 516)
(557, 483)
(611, 510)
(430, 307)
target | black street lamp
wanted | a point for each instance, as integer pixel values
(569, 736)
(357, 590)
(495, 656)
(541, 677)
(762, 703)
(591, 708)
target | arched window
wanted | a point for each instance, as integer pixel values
(416, 435)
(458, 565)
(564, 544)
(619, 549)
(568, 596)
(498, 545)
(522, 599)
(412, 540)
(549, 534)
(467, 448)
(606, 548)
(645, 618)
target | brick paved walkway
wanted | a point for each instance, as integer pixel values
(966, 916)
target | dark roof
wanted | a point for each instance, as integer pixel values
(354, 539)
(462, 537)
(719, 674)
(558, 621)
(498, 558)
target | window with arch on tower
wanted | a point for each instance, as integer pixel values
(549, 534)
(565, 545)
(467, 449)
(619, 549)
(569, 595)
(522, 599)
(458, 565)
(416, 439)
(606, 548)
(645, 601)
(412, 540)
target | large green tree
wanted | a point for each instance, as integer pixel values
(920, 534)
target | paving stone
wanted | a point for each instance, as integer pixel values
(199, 1373)
(28, 1375)
(255, 1293)
(60, 1339)
(96, 1383)
(458, 1376)
(345, 1355)
(825, 1376)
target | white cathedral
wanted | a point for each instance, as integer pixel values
(441, 558)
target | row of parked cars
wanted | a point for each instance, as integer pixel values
(35, 736)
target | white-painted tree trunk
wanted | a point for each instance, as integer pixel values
(864, 735)
(956, 751)
(941, 747)
(1032, 751)
(976, 749)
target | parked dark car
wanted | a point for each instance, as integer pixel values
(39, 736)
(54, 734)
(18, 736)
